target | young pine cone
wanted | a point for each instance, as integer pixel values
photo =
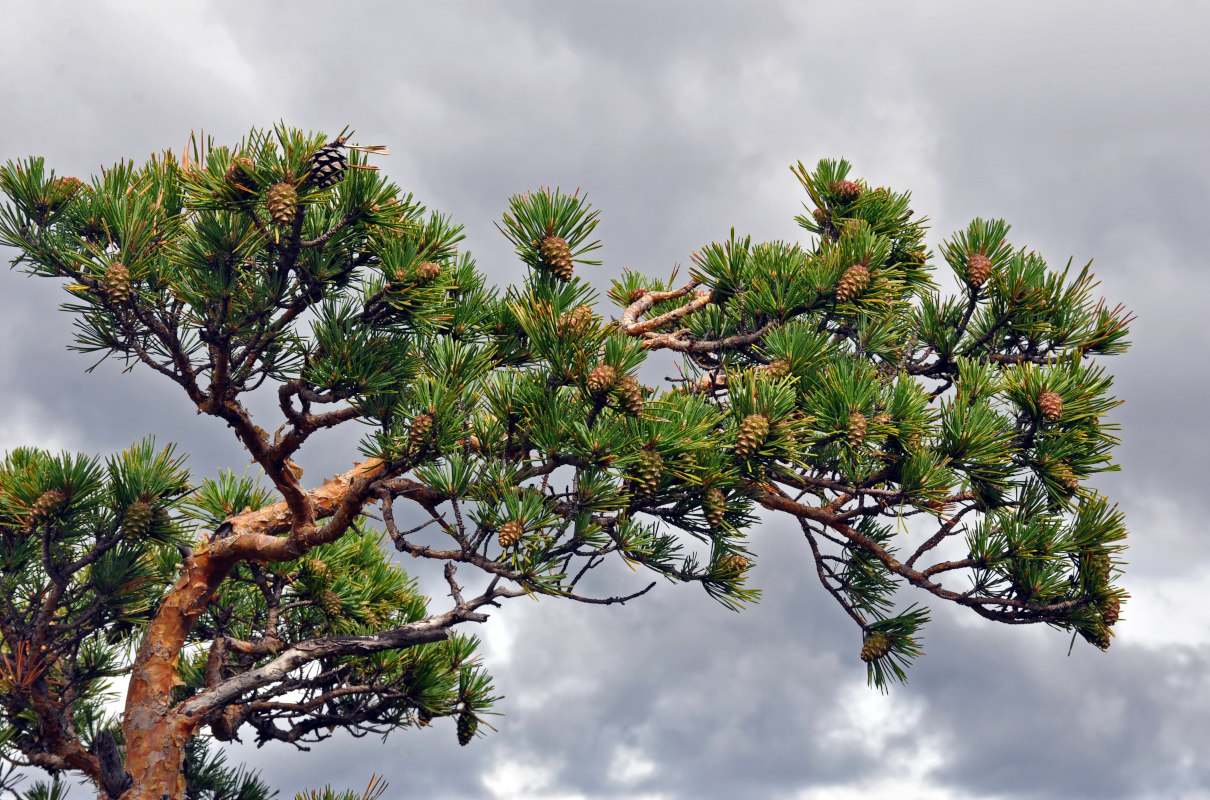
(1065, 477)
(602, 379)
(857, 428)
(733, 566)
(854, 281)
(138, 519)
(420, 432)
(778, 368)
(555, 255)
(875, 647)
(282, 201)
(714, 505)
(48, 504)
(1097, 636)
(329, 601)
(467, 725)
(575, 322)
(317, 568)
(753, 432)
(428, 271)
(648, 471)
(846, 191)
(1098, 567)
(1051, 405)
(629, 396)
(1111, 610)
(117, 283)
(239, 175)
(978, 269)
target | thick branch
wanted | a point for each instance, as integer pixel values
(433, 629)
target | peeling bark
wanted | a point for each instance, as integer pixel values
(155, 731)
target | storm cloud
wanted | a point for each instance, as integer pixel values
(1082, 123)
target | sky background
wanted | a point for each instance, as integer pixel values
(1084, 124)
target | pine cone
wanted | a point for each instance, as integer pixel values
(602, 379)
(510, 533)
(317, 568)
(329, 601)
(555, 256)
(467, 725)
(1051, 405)
(62, 190)
(753, 432)
(428, 271)
(239, 174)
(68, 185)
(820, 216)
(1065, 477)
(48, 505)
(138, 519)
(714, 505)
(282, 202)
(778, 368)
(1098, 636)
(648, 471)
(575, 322)
(117, 283)
(1097, 567)
(854, 281)
(978, 269)
(420, 432)
(857, 428)
(328, 164)
(1111, 609)
(733, 566)
(636, 295)
(423, 717)
(629, 395)
(875, 647)
(846, 191)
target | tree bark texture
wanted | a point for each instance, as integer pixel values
(156, 731)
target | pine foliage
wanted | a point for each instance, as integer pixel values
(946, 442)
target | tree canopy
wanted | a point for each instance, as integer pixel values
(917, 437)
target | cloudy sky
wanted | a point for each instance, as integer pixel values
(1082, 123)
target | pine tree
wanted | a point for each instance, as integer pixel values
(830, 381)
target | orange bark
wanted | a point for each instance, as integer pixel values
(155, 734)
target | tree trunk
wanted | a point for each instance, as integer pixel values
(155, 731)
(156, 761)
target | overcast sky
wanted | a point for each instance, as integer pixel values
(1082, 123)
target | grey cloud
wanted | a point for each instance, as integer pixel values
(1080, 123)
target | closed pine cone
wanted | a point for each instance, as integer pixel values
(1051, 405)
(555, 256)
(753, 432)
(875, 647)
(854, 281)
(978, 269)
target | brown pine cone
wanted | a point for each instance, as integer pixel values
(510, 533)
(978, 269)
(1051, 405)
(602, 379)
(555, 255)
(846, 191)
(854, 281)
